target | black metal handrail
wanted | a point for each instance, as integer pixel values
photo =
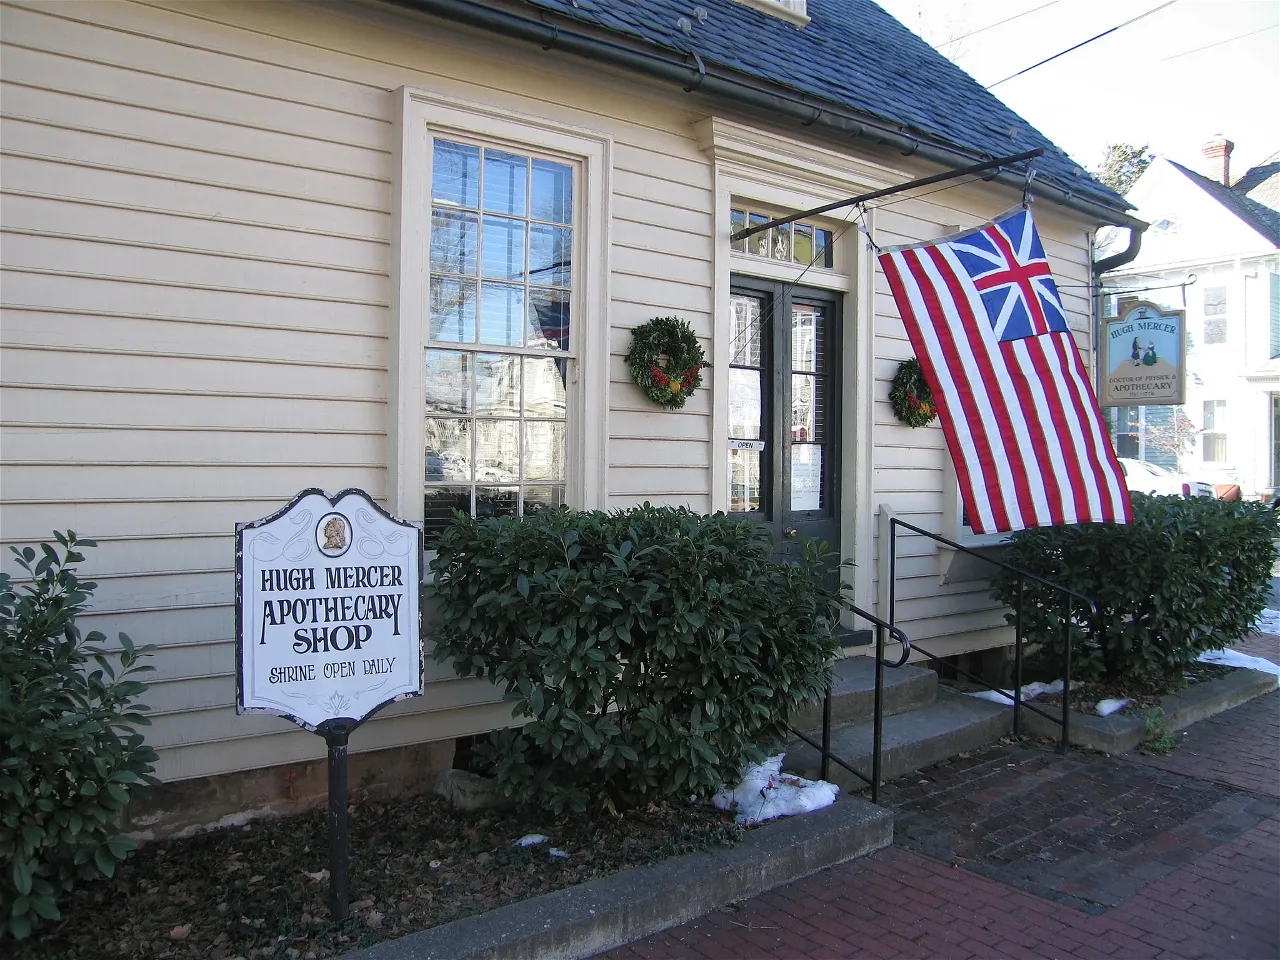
(1069, 597)
(877, 717)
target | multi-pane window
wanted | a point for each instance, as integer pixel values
(498, 338)
(1215, 315)
(803, 243)
(1214, 438)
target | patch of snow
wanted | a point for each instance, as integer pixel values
(531, 840)
(1268, 621)
(557, 853)
(1029, 692)
(766, 793)
(1105, 708)
(1233, 658)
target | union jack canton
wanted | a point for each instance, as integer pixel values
(1017, 409)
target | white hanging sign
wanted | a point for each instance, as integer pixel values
(736, 444)
(327, 618)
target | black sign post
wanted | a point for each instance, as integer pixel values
(335, 733)
(328, 630)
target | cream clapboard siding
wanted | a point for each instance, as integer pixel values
(196, 210)
(910, 465)
(196, 206)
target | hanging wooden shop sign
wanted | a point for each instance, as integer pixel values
(1144, 356)
(328, 628)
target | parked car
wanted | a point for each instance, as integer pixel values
(1151, 478)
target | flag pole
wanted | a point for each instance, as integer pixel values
(889, 191)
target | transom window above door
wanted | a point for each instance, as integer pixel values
(801, 242)
(499, 337)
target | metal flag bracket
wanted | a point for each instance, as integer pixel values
(1026, 187)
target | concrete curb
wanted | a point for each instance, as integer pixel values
(1119, 734)
(591, 917)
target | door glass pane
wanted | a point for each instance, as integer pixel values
(807, 346)
(745, 335)
(745, 403)
(552, 192)
(806, 476)
(505, 176)
(804, 408)
(746, 484)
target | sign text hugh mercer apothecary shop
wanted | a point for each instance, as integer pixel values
(327, 611)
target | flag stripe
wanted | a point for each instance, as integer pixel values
(1041, 428)
(1009, 422)
(945, 392)
(972, 397)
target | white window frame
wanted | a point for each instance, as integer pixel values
(420, 118)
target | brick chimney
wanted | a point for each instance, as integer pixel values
(1217, 154)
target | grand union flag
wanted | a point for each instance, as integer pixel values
(1017, 409)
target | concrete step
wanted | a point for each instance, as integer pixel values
(952, 724)
(853, 696)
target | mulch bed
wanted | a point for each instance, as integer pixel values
(1142, 695)
(261, 890)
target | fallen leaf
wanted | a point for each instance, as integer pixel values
(374, 919)
(180, 933)
(319, 876)
(484, 858)
(361, 905)
(256, 878)
(434, 864)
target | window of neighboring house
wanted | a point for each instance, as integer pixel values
(1128, 431)
(1275, 315)
(1214, 437)
(1215, 315)
(499, 336)
(804, 243)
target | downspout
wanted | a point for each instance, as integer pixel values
(744, 90)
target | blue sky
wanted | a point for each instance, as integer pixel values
(1146, 82)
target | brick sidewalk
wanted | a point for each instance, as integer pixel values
(1018, 852)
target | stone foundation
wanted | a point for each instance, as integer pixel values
(185, 807)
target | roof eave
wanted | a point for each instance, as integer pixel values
(697, 77)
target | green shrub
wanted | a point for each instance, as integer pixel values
(70, 753)
(654, 650)
(1188, 575)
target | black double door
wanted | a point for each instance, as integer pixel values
(784, 409)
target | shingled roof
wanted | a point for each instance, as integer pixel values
(852, 54)
(1239, 198)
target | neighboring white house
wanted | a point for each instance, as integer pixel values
(255, 247)
(1224, 230)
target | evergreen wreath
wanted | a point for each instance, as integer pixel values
(671, 385)
(910, 395)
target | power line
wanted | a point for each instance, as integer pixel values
(999, 23)
(1187, 53)
(1082, 43)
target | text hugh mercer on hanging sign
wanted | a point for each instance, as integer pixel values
(327, 617)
